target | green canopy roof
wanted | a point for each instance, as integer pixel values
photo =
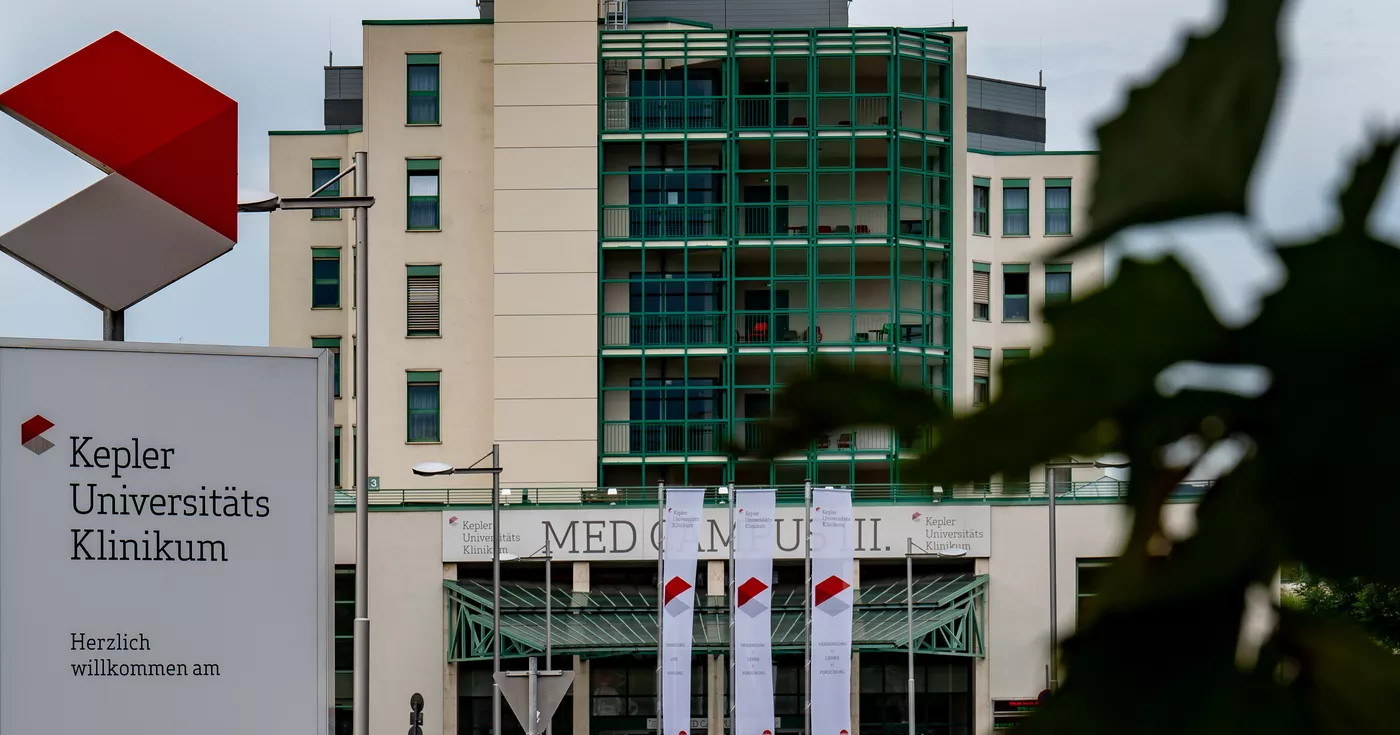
(947, 619)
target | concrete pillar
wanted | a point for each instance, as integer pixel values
(583, 688)
(982, 667)
(449, 672)
(714, 578)
(714, 709)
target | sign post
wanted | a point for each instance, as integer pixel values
(534, 695)
(165, 527)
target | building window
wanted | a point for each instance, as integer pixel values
(424, 301)
(1015, 292)
(424, 406)
(1010, 357)
(1016, 207)
(323, 170)
(1060, 478)
(981, 291)
(676, 415)
(981, 199)
(981, 377)
(423, 89)
(1057, 283)
(344, 654)
(1057, 200)
(325, 278)
(423, 194)
(332, 344)
(335, 451)
(1090, 576)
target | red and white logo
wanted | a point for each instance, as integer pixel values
(169, 144)
(675, 602)
(31, 434)
(452, 521)
(748, 597)
(826, 595)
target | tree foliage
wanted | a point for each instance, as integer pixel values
(1372, 606)
(1161, 653)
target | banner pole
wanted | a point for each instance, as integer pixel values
(807, 608)
(733, 608)
(660, 601)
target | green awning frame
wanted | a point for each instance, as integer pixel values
(949, 615)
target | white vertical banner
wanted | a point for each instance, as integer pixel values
(755, 539)
(684, 510)
(833, 554)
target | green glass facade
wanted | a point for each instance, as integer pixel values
(767, 198)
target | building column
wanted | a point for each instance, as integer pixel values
(583, 704)
(715, 698)
(982, 667)
(449, 672)
(855, 662)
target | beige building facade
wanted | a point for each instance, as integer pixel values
(603, 249)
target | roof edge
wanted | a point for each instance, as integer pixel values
(1032, 153)
(669, 19)
(430, 22)
(315, 132)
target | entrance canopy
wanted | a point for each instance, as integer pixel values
(949, 615)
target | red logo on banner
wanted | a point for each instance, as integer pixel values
(829, 588)
(675, 588)
(749, 590)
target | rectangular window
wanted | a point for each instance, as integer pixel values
(981, 291)
(344, 654)
(424, 301)
(1015, 292)
(1089, 581)
(1010, 357)
(424, 406)
(1016, 207)
(323, 170)
(332, 344)
(1057, 198)
(981, 376)
(423, 194)
(335, 450)
(423, 101)
(1057, 283)
(981, 200)
(325, 278)
(1060, 479)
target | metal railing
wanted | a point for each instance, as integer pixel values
(782, 326)
(664, 114)
(665, 330)
(859, 112)
(853, 220)
(699, 436)
(772, 112)
(1103, 490)
(664, 221)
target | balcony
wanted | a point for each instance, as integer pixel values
(764, 113)
(665, 330)
(634, 114)
(643, 437)
(864, 111)
(778, 327)
(752, 434)
(664, 222)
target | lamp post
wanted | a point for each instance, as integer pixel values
(909, 555)
(433, 469)
(114, 328)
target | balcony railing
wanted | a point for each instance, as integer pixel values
(665, 330)
(859, 112)
(783, 326)
(857, 327)
(853, 220)
(1103, 490)
(658, 114)
(664, 222)
(772, 112)
(697, 436)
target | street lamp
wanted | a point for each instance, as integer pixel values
(264, 201)
(909, 554)
(435, 469)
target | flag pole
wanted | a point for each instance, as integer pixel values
(733, 608)
(807, 608)
(660, 601)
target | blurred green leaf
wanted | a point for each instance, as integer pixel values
(834, 397)
(1097, 367)
(1186, 144)
(1346, 683)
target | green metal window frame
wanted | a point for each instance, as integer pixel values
(423, 61)
(322, 255)
(422, 276)
(332, 344)
(984, 314)
(1065, 210)
(317, 166)
(335, 453)
(1008, 298)
(1058, 297)
(1012, 355)
(1007, 186)
(425, 378)
(1085, 592)
(981, 384)
(981, 225)
(424, 167)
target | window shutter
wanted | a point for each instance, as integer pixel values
(424, 307)
(981, 367)
(982, 288)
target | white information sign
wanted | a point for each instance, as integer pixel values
(164, 537)
(630, 533)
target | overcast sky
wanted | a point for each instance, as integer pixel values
(268, 54)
